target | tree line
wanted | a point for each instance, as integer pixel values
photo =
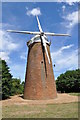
(67, 82)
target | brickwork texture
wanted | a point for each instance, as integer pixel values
(39, 82)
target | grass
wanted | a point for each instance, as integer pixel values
(74, 94)
(69, 110)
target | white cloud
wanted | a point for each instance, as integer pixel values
(63, 8)
(66, 47)
(6, 45)
(21, 68)
(64, 60)
(5, 56)
(27, 8)
(6, 25)
(6, 42)
(72, 19)
(23, 56)
(34, 12)
(69, 2)
(69, 61)
(59, 52)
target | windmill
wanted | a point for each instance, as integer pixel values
(39, 78)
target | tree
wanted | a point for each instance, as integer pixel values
(0, 79)
(17, 86)
(6, 80)
(69, 81)
(9, 86)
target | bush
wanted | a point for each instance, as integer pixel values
(69, 81)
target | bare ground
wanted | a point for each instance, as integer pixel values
(17, 107)
(61, 98)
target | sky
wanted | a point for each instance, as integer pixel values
(57, 17)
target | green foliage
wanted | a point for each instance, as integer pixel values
(10, 86)
(6, 80)
(17, 86)
(69, 81)
(0, 79)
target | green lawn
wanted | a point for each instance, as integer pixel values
(75, 94)
(69, 110)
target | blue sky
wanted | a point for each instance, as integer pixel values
(55, 17)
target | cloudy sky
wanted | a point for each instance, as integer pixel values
(55, 17)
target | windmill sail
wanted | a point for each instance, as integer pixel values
(40, 29)
(43, 39)
(42, 35)
(54, 34)
(44, 44)
(24, 32)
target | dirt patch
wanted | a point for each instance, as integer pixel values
(61, 98)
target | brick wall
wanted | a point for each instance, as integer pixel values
(39, 84)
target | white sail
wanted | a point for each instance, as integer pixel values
(55, 34)
(40, 29)
(44, 44)
(24, 32)
(41, 34)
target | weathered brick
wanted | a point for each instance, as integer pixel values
(37, 84)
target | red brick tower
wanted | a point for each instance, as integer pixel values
(39, 80)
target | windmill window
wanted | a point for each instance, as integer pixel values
(42, 61)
